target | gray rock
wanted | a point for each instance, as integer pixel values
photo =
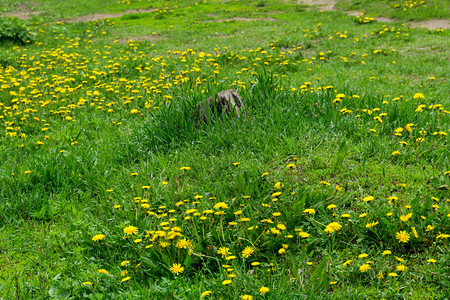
(225, 102)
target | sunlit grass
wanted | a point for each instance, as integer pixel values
(334, 185)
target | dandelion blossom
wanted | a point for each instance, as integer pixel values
(370, 225)
(248, 251)
(402, 236)
(98, 237)
(303, 234)
(364, 268)
(333, 227)
(129, 230)
(442, 236)
(405, 218)
(264, 290)
(368, 198)
(125, 279)
(221, 205)
(401, 268)
(224, 251)
(226, 282)
(205, 293)
(176, 268)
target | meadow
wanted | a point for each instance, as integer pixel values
(335, 184)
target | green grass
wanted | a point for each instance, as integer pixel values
(408, 10)
(97, 125)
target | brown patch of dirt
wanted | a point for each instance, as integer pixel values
(325, 5)
(328, 5)
(96, 17)
(431, 24)
(23, 11)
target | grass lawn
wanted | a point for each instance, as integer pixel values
(335, 184)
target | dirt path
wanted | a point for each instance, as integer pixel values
(328, 5)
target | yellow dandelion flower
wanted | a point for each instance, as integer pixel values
(129, 230)
(333, 227)
(442, 236)
(401, 268)
(248, 251)
(176, 268)
(303, 234)
(309, 211)
(364, 267)
(221, 205)
(414, 232)
(402, 236)
(405, 218)
(224, 251)
(373, 224)
(264, 290)
(205, 293)
(226, 282)
(98, 237)
(125, 279)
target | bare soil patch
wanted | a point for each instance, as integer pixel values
(96, 17)
(325, 5)
(328, 5)
(432, 24)
(23, 11)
